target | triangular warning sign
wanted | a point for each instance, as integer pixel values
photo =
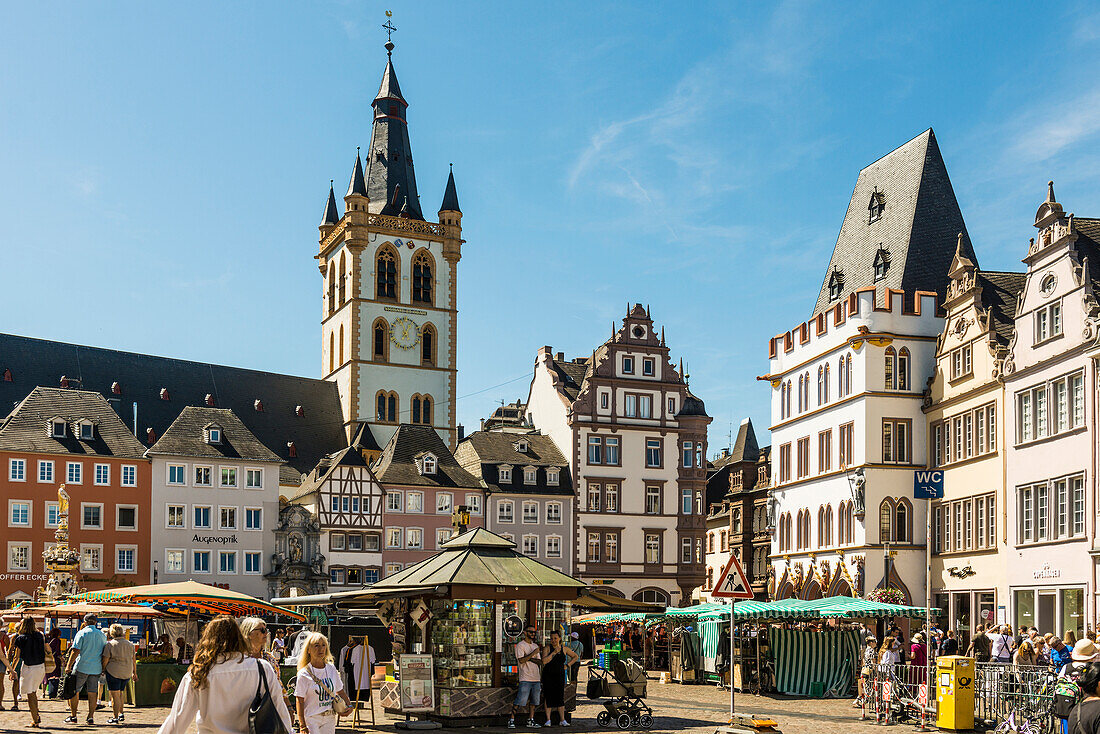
(732, 584)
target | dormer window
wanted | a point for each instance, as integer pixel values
(213, 434)
(836, 285)
(504, 473)
(520, 446)
(57, 428)
(428, 465)
(882, 264)
(876, 206)
(87, 430)
(553, 476)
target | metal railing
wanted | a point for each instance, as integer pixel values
(900, 693)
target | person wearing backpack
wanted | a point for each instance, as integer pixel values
(1068, 690)
(1003, 646)
(1085, 718)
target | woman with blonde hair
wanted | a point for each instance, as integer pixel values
(217, 690)
(1025, 654)
(119, 665)
(317, 684)
(889, 652)
(254, 631)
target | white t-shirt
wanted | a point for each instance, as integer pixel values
(360, 675)
(528, 671)
(1002, 646)
(317, 699)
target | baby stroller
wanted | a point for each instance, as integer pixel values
(626, 688)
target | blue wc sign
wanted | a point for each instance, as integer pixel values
(928, 485)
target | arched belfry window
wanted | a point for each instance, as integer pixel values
(385, 275)
(427, 345)
(332, 351)
(902, 517)
(386, 406)
(331, 288)
(885, 520)
(380, 340)
(423, 284)
(341, 362)
(343, 278)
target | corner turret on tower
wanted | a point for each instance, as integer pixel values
(356, 199)
(331, 217)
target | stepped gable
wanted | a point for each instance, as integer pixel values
(278, 409)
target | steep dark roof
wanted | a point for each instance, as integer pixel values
(692, 406)
(141, 377)
(349, 456)
(391, 182)
(918, 228)
(331, 214)
(1000, 294)
(186, 436)
(450, 195)
(398, 463)
(357, 184)
(26, 427)
(572, 374)
(482, 452)
(745, 447)
(1088, 245)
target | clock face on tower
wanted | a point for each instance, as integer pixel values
(404, 333)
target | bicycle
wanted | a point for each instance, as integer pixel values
(761, 680)
(1025, 726)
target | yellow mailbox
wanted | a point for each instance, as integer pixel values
(955, 692)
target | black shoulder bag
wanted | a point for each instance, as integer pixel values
(263, 717)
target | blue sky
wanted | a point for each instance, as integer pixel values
(163, 166)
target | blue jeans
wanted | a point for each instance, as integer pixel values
(528, 692)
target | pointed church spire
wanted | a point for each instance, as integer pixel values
(331, 217)
(391, 182)
(450, 195)
(1050, 192)
(358, 185)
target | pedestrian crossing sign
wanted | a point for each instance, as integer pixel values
(732, 584)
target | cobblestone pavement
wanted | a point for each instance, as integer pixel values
(677, 708)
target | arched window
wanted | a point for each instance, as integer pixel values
(386, 406)
(331, 288)
(806, 390)
(422, 409)
(415, 403)
(801, 387)
(385, 275)
(825, 384)
(805, 529)
(427, 345)
(380, 349)
(902, 516)
(332, 351)
(343, 278)
(820, 385)
(341, 362)
(885, 520)
(828, 525)
(903, 369)
(821, 542)
(841, 535)
(848, 375)
(890, 368)
(423, 284)
(841, 390)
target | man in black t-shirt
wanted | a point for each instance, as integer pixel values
(949, 646)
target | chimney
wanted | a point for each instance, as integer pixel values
(64, 381)
(209, 400)
(164, 394)
(299, 411)
(291, 449)
(116, 388)
(8, 376)
(461, 432)
(559, 356)
(150, 436)
(258, 405)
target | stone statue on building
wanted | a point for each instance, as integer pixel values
(858, 484)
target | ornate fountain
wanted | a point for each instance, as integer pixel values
(60, 560)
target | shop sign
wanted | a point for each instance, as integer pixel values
(928, 485)
(224, 539)
(417, 682)
(23, 576)
(1046, 572)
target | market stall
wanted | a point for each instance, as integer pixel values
(455, 618)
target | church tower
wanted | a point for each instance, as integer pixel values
(389, 311)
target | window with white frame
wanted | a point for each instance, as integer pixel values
(530, 475)
(393, 501)
(91, 516)
(553, 476)
(965, 524)
(414, 538)
(1051, 510)
(392, 568)
(553, 546)
(19, 513)
(473, 503)
(228, 476)
(19, 557)
(354, 542)
(611, 498)
(652, 500)
(174, 516)
(202, 516)
(253, 563)
(961, 362)
(414, 502)
(125, 559)
(649, 367)
(253, 518)
(126, 517)
(336, 541)
(204, 476)
(53, 514)
(86, 430)
(593, 494)
(605, 400)
(444, 503)
(1048, 321)
(176, 474)
(17, 470)
(45, 471)
(200, 562)
(553, 513)
(102, 474)
(91, 558)
(965, 435)
(628, 365)
(530, 512)
(129, 475)
(505, 511)
(254, 478)
(58, 428)
(442, 535)
(896, 440)
(227, 518)
(227, 562)
(504, 473)
(394, 537)
(653, 548)
(173, 560)
(593, 548)
(531, 545)
(897, 369)
(653, 453)
(336, 576)
(1051, 408)
(428, 464)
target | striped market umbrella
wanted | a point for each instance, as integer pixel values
(190, 596)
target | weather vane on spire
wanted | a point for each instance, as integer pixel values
(389, 26)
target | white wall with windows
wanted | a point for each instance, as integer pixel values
(540, 525)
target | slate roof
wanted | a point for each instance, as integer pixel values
(398, 462)
(350, 456)
(26, 427)
(572, 375)
(186, 436)
(918, 228)
(745, 447)
(692, 406)
(482, 452)
(1088, 245)
(318, 431)
(331, 215)
(450, 195)
(1000, 294)
(391, 181)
